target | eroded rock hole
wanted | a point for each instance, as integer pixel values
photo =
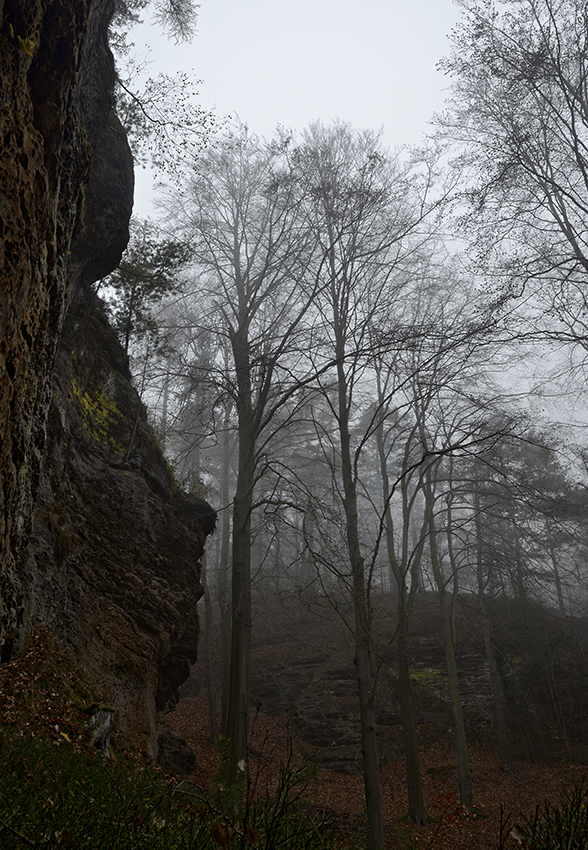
(26, 335)
(6, 651)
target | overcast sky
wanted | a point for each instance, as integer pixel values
(269, 62)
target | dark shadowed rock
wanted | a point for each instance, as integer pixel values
(113, 563)
(174, 753)
(56, 120)
(114, 558)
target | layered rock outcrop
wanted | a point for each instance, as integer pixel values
(56, 103)
(111, 565)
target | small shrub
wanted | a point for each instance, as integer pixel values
(563, 827)
(248, 818)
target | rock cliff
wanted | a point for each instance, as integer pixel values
(53, 117)
(111, 566)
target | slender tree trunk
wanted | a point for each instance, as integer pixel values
(208, 653)
(366, 692)
(448, 624)
(240, 677)
(193, 465)
(497, 691)
(369, 744)
(164, 407)
(518, 579)
(362, 633)
(463, 762)
(224, 599)
(129, 319)
(417, 812)
(557, 577)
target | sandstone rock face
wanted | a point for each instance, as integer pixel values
(51, 113)
(111, 564)
(114, 556)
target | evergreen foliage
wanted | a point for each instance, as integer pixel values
(148, 272)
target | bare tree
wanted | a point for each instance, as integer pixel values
(405, 558)
(518, 116)
(433, 335)
(242, 215)
(360, 216)
(445, 387)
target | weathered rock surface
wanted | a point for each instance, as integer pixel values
(114, 565)
(55, 124)
(303, 667)
(111, 564)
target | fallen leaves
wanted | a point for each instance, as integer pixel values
(41, 693)
(222, 833)
(341, 795)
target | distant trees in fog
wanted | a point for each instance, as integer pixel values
(354, 382)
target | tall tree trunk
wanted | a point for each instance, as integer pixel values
(193, 468)
(461, 744)
(556, 575)
(208, 653)
(497, 691)
(366, 690)
(448, 624)
(369, 745)
(417, 812)
(240, 677)
(224, 599)
(362, 632)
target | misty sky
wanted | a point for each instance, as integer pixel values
(269, 62)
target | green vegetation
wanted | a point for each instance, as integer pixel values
(149, 271)
(52, 796)
(58, 791)
(562, 827)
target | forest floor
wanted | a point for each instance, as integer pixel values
(340, 796)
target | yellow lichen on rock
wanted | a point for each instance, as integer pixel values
(99, 412)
